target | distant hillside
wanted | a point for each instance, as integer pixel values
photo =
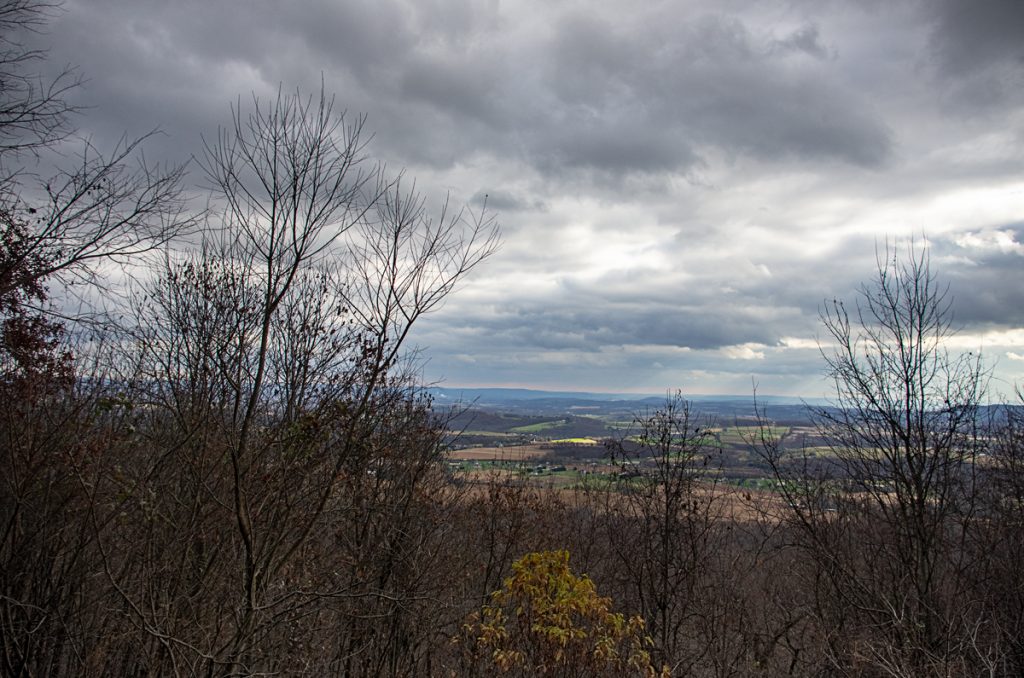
(519, 403)
(455, 394)
(500, 395)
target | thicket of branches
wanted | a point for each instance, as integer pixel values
(243, 477)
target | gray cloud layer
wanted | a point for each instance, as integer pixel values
(681, 184)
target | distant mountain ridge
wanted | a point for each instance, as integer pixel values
(539, 403)
(502, 395)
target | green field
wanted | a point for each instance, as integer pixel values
(538, 427)
(738, 435)
(490, 434)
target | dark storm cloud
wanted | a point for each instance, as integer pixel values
(506, 202)
(971, 35)
(704, 81)
(806, 39)
(797, 119)
(592, 93)
(985, 287)
(589, 321)
(616, 147)
(178, 66)
(979, 52)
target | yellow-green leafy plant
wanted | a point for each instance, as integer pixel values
(546, 621)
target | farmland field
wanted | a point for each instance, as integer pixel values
(537, 428)
(510, 453)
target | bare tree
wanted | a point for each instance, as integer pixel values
(884, 517)
(998, 542)
(666, 523)
(34, 112)
(106, 206)
(102, 210)
(306, 466)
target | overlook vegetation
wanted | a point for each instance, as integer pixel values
(238, 473)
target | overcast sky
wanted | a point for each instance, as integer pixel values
(680, 185)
